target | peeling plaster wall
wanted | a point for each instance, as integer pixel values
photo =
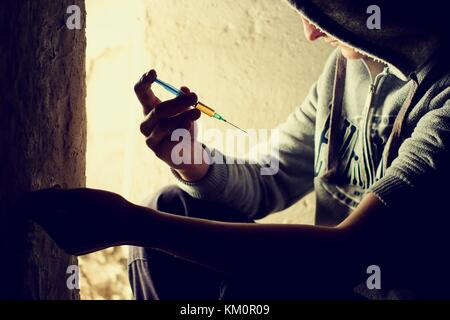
(42, 137)
(248, 59)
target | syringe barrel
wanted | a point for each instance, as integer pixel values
(205, 109)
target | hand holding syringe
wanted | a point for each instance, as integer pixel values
(162, 118)
(200, 106)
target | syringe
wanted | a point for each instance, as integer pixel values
(200, 106)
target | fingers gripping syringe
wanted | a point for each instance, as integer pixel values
(200, 106)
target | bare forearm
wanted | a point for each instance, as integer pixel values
(231, 247)
(322, 252)
(227, 247)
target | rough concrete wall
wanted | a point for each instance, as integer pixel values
(248, 59)
(42, 136)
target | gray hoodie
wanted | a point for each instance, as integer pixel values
(354, 134)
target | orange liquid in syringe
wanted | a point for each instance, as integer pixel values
(205, 109)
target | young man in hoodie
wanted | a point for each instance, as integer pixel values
(372, 139)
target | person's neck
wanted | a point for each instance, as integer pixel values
(375, 67)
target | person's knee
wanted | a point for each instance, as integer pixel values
(168, 199)
(175, 201)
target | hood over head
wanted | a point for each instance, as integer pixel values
(409, 36)
(412, 41)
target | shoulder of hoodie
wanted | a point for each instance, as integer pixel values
(439, 94)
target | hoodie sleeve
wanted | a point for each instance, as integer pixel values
(274, 179)
(422, 165)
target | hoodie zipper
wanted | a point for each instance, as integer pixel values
(368, 159)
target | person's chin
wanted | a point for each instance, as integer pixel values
(350, 54)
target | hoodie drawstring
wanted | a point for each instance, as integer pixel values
(395, 139)
(335, 132)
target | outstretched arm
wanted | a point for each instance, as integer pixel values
(86, 220)
(229, 247)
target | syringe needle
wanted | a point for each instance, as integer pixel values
(235, 126)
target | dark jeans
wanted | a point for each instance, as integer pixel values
(156, 275)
